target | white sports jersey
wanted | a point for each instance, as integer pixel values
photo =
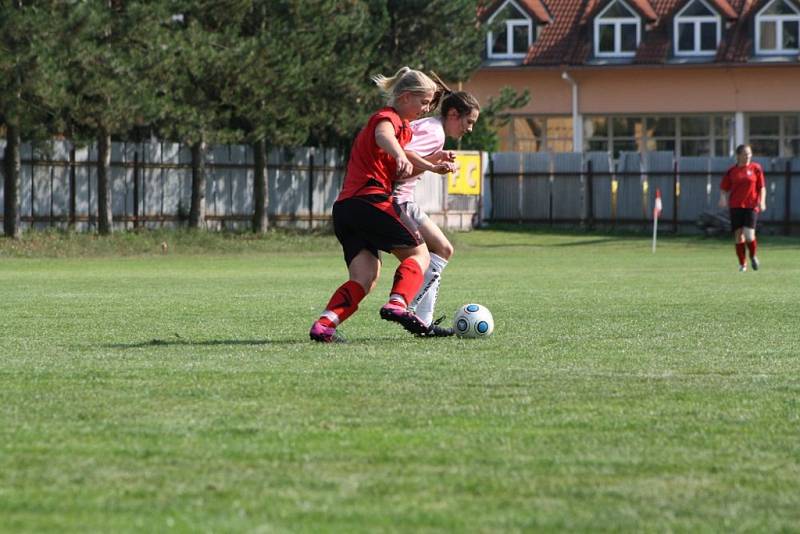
(427, 138)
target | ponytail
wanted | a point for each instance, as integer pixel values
(405, 80)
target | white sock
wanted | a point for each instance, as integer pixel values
(425, 301)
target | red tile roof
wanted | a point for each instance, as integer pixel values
(535, 8)
(567, 38)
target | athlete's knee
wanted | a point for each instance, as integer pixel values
(446, 250)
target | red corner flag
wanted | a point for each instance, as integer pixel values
(657, 205)
(656, 214)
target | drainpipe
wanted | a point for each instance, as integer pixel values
(577, 121)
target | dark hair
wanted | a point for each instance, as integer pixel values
(463, 102)
(740, 148)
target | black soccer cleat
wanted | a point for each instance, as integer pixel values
(754, 262)
(438, 331)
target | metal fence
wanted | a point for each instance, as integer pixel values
(151, 187)
(591, 189)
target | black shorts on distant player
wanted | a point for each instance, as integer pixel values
(743, 218)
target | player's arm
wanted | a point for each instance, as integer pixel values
(384, 137)
(723, 191)
(762, 199)
(422, 164)
(723, 198)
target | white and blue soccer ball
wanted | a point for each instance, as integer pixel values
(473, 320)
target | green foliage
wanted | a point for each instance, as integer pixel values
(494, 115)
(23, 89)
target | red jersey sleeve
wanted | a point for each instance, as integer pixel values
(387, 115)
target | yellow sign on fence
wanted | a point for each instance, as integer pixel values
(467, 181)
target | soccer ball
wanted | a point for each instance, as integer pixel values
(473, 320)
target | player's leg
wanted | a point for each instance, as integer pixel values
(737, 224)
(364, 270)
(749, 232)
(363, 266)
(441, 250)
(389, 228)
(407, 281)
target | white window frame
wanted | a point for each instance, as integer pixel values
(696, 22)
(510, 25)
(617, 23)
(778, 20)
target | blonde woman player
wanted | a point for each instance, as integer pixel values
(458, 114)
(365, 218)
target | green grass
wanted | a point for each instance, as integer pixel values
(622, 390)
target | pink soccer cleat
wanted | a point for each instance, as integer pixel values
(324, 334)
(397, 313)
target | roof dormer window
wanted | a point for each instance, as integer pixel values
(697, 30)
(778, 28)
(513, 33)
(617, 31)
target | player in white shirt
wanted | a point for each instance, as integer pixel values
(458, 113)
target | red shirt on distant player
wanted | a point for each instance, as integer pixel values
(743, 183)
(371, 170)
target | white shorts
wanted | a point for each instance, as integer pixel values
(413, 210)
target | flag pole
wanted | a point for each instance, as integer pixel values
(655, 231)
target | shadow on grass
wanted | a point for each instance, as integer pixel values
(237, 342)
(188, 342)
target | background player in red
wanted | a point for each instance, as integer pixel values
(367, 220)
(744, 191)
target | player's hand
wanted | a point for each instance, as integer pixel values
(445, 155)
(445, 167)
(404, 167)
(722, 203)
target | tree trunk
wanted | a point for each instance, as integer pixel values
(11, 164)
(104, 216)
(260, 189)
(197, 211)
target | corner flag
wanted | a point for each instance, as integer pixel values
(656, 214)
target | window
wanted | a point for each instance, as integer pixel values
(697, 30)
(774, 135)
(512, 34)
(540, 134)
(778, 28)
(617, 31)
(690, 135)
(614, 134)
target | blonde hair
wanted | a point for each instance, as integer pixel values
(405, 80)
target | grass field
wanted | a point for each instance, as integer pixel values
(622, 390)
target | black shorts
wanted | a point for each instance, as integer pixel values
(743, 217)
(372, 223)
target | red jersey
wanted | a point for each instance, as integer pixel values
(743, 185)
(371, 169)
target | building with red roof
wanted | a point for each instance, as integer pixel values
(696, 77)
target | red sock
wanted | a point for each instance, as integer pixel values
(343, 304)
(408, 279)
(751, 245)
(740, 253)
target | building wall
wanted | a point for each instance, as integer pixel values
(729, 102)
(663, 89)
